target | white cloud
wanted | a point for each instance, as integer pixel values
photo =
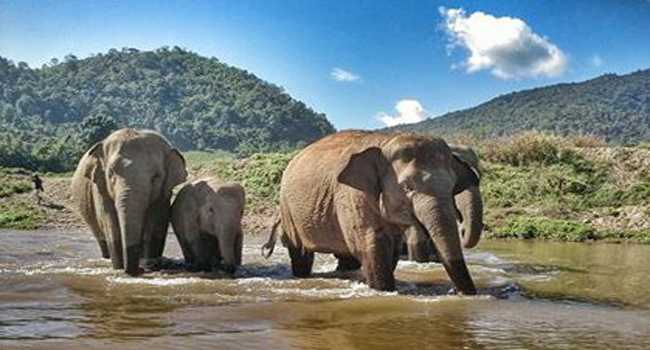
(596, 60)
(506, 46)
(408, 111)
(342, 75)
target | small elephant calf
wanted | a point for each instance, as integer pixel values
(206, 217)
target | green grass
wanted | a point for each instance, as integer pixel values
(260, 174)
(10, 186)
(20, 218)
(545, 229)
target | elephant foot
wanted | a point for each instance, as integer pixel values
(383, 284)
(103, 246)
(301, 262)
(137, 272)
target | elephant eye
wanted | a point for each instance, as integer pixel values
(406, 186)
(406, 155)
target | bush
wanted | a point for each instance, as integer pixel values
(19, 218)
(546, 229)
(586, 140)
(526, 148)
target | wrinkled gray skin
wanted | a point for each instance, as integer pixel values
(352, 194)
(469, 205)
(122, 189)
(206, 217)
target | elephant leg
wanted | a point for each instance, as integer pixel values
(301, 261)
(103, 246)
(397, 247)
(101, 239)
(188, 253)
(378, 260)
(347, 263)
(155, 233)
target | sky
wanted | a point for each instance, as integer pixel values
(365, 64)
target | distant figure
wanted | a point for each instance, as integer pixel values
(38, 188)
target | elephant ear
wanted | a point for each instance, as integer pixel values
(365, 170)
(94, 169)
(176, 172)
(467, 166)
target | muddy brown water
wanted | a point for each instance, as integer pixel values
(55, 293)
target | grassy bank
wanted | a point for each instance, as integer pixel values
(574, 189)
(535, 186)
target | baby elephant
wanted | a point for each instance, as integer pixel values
(206, 217)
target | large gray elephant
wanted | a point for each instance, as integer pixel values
(206, 216)
(352, 194)
(469, 204)
(122, 189)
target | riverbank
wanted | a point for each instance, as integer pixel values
(535, 186)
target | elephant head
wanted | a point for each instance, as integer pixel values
(135, 170)
(413, 179)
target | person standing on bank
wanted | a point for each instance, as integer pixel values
(38, 188)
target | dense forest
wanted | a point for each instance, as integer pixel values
(50, 115)
(614, 107)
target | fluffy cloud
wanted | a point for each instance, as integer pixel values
(342, 75)
(506, 46)
(408, 111)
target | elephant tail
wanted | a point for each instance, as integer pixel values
(267, 248)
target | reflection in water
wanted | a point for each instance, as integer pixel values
(55, 293)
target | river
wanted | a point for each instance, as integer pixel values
(55, 293)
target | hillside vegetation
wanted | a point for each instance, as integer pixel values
(535, 186)
(49, 116)
(616, 108)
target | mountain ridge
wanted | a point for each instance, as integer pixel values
(195, 101)
(615, 107)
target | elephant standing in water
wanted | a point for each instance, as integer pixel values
(352, 194)
(469, 204)
(122, 189)
(206, 217)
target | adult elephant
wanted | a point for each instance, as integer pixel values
(469, 205)
(122, 188)
(352, 194)
(206, 216)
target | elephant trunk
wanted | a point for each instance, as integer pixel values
(131, 207)
(470, 206)
(436, 215)
(230, 247)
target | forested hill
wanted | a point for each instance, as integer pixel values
(197, 102)
(615, 107)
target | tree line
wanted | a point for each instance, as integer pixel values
(50, 115)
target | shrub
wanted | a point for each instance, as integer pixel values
(586, 140)
(526, 148)
(19, 218)
(546, 229)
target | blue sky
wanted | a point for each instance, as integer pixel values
(360, 62)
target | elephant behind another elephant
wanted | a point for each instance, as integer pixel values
(469, 207)
(122, 189)
(206, 216)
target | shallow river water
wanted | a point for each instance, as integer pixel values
(55, 293)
